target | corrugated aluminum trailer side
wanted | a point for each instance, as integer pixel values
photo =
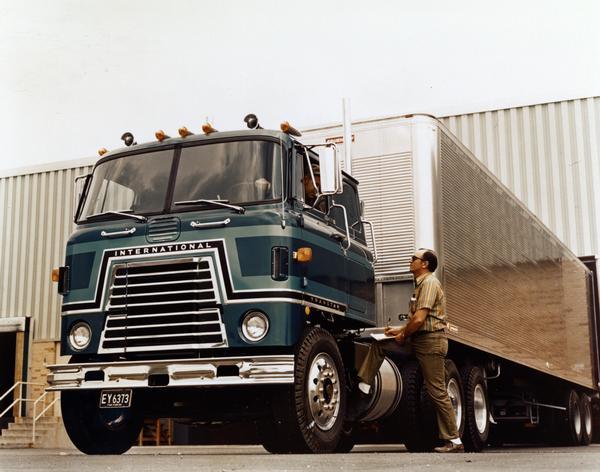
(513, 289)
(517, 297)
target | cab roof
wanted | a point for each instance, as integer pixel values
(217, 136)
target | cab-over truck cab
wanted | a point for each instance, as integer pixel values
(208, 280)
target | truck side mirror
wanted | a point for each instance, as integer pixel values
(331, 176)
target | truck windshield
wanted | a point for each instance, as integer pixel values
(238, 172)
(136, 184)
(235, 172)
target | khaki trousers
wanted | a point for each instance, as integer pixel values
(430, 350)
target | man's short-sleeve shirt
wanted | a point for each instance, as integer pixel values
(429, 294)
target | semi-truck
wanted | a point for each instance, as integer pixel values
(233, 277)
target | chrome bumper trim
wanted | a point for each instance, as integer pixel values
(181, 373)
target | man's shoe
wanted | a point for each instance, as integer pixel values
(450, 447)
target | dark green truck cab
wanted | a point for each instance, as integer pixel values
(203, 281)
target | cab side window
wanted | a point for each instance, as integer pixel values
(308, 188)
(349, 199)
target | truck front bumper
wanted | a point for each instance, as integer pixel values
(217, 371)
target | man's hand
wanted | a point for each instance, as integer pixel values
(392, 332)
(400, 337)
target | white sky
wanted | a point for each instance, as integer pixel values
(75, 74)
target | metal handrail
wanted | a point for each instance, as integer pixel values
(20, 398)
(37, 417)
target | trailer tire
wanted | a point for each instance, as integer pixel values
(477, 422)
(585, 405)
(96, 431)
(455, 390)
(309, 417)
(567, 424)
(415, 414)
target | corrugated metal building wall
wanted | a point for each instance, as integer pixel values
(547, 154)
(36, 218)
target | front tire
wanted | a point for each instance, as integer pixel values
(310, 417)
(99, 431)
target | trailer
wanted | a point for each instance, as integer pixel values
(519, 302)
(236, 278)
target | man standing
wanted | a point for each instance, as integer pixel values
(426, 329)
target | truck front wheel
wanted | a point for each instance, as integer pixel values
(94, 430)
(310, 418)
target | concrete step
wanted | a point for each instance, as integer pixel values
(14, 445)
(42, 420)
(22, 434)
(29, 427)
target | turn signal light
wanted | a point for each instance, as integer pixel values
(207, 128)
(55, 275)
(303, 254)
(289, 129)
(184, 132)
(161, 136)
(102, 151)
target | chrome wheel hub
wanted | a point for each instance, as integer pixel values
(456, 400)
(480, 409)
(323, 390)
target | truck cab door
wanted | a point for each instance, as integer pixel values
(325, 281)
(358, 259)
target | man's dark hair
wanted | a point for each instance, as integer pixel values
(430, 257)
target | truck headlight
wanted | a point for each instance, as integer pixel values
(255, 326)
(80, 336)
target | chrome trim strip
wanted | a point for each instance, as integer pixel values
(190, 323)
(116, 234)
(122, 316)
(175, 302)
(210, 224)
(152, 284)
(162, 336)
(154, 294)
(182, 373)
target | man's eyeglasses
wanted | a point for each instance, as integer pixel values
(415, 258)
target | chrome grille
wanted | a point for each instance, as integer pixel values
(163, 305)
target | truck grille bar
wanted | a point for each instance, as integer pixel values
(163, 305)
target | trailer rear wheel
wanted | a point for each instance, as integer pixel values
(567, 426)
(455, 392)
(477, 422)
(99, 431)
(415, 414)
(585, 405)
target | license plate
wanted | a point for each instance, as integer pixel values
(115, 398)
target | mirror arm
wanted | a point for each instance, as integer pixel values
(87, 178)
(312, 176)
(366, 222)
(346, 224)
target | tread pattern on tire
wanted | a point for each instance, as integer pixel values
(473, 440)
(292, 431)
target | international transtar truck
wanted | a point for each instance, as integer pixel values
(227, 277)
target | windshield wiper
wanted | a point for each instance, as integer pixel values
(143, 219)
(221, 203)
